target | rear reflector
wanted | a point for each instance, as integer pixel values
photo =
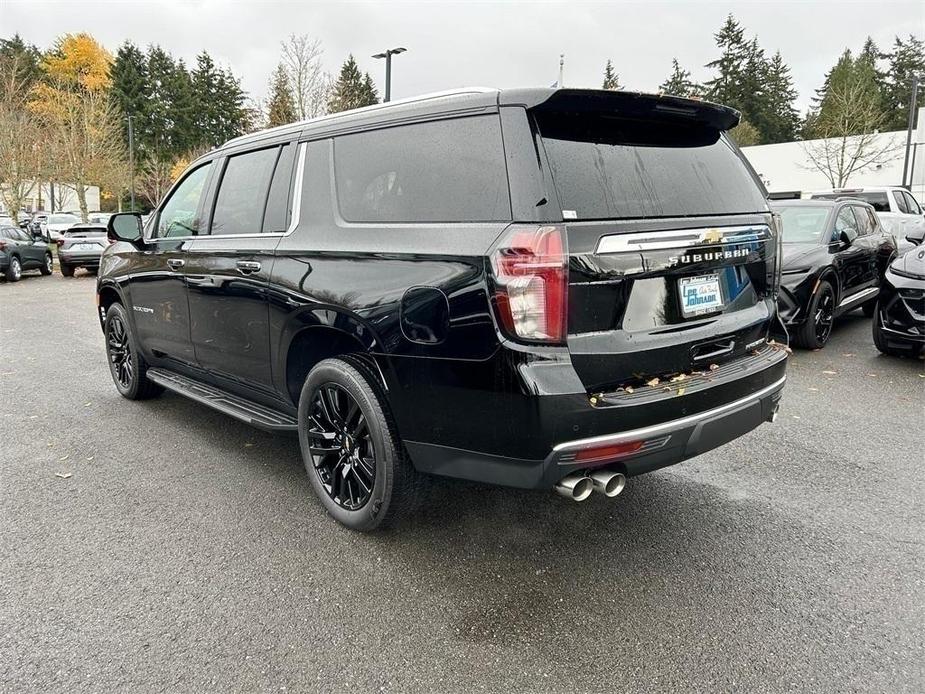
(530, 266)
(589, 455)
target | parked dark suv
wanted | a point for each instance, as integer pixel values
(537, 288)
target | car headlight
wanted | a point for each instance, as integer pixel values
(902, 273)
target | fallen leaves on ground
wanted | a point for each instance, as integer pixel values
(830, 373)
(63, 475)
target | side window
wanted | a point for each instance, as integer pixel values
(874, 222)
(911, 204)
(442, 171)
(279, 200)
(242, 193)
(178, 215)
(900, 201)
(846, 223)
(864, 226)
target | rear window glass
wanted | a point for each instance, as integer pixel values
(443, 171)
(242, 193)
(606, 167)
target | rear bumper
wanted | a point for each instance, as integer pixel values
(668, 431)
(81, 259)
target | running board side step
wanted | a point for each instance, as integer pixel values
(245, 410)
(859, 297)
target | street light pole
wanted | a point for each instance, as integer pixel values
(912, 100)
(131, 160)
(388, 68)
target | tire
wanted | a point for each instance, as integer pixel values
(344, 414)
(880, 341)
(66, 270)
(48, 265)
(820, 316)
(126, 364)
(14, 270)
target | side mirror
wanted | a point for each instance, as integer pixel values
(125, 226)
(845, 239)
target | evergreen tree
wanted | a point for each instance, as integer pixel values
(679, 82)
(751, 90)
(281, 108)
(156, 122)
(906, 60)
(849, 102)
(725, 88)
(26, 57)
(351, 89)
(611, 78)
(219, 103)
(130, 84)
(781, 118)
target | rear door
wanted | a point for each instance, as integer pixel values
(672, 253)
(228, 270)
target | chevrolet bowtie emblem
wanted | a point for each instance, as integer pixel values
(711, 236)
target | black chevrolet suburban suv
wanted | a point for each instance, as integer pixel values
(540, 288)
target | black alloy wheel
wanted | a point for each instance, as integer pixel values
(126, 364)
(354, 458)
(824, 314)
(120, 352)
(820, 317)
(341, 447)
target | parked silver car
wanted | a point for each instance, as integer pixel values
(81, 246)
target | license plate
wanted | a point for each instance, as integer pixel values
(85, 247)
(700, 295)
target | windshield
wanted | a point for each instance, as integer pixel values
(62, 219)
(878, 201)
(607, 167)
(803, 223)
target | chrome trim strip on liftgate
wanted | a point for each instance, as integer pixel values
(682, 238)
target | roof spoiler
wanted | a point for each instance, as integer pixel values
(633, 104)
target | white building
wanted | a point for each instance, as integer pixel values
(39, 198)
(786, 167)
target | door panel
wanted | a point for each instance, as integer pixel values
(227, 280)
(159, 304)
(851, 261)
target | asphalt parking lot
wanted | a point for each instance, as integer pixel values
(161, 546)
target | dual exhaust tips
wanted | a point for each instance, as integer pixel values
(578, 486)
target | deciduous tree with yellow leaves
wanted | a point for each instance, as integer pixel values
(82, 127)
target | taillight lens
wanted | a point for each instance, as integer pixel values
(530, 266)
(775, 268)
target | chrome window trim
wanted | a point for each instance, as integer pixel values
(681, 238)
(293, 223)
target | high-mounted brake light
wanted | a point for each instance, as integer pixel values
(530, 266)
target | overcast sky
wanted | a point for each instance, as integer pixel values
(499, 44)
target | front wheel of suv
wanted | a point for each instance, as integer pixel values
(820, 316)
(126, 364)
(66, 270)
(350, 447)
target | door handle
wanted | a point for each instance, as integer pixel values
(175, 263)
(247, 267)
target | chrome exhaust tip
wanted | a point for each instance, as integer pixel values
(608, 482)
(576, 487)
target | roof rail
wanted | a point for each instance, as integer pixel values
(366, 109)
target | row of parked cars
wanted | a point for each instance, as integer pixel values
(28, 245)
(845, 249)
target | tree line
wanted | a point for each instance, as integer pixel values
(863, 92)
(65, 113)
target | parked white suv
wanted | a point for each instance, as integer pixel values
(899, 212)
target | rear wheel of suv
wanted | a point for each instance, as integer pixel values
(869, 307)
(67, 270)
(48, 265)
(817, 327)
(127, 366)
(14, 270)
(350, 448)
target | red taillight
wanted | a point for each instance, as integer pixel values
(530, 267)
(588, 455)
(60, 241)
(2, 245)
